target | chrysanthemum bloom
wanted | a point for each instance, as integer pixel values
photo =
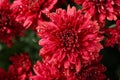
(9, 28)
(113, 35)
(93, 72)
(69, 39)
(2, 74)
(101, 9)
(20, 68)
(45, 71)
(48, 71)
(28, 12)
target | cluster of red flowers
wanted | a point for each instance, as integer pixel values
(113, 35)
(101, 10)
(8, 26)
(70, 38)
(20, 69)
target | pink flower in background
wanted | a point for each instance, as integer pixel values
(101, 9)
(28, 12)
(70, 39)
(20, 69)
(9, 28)
(113, 35)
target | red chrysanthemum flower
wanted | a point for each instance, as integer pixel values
(21, 60)
(101, 9)
(9, 28)
(45, 71)
(48, 71)
(2, 74)
(20, 68)
(113, 35)
(70, 39)
(28, 12)
(93, 72)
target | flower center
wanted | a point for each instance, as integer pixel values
(68, 39)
